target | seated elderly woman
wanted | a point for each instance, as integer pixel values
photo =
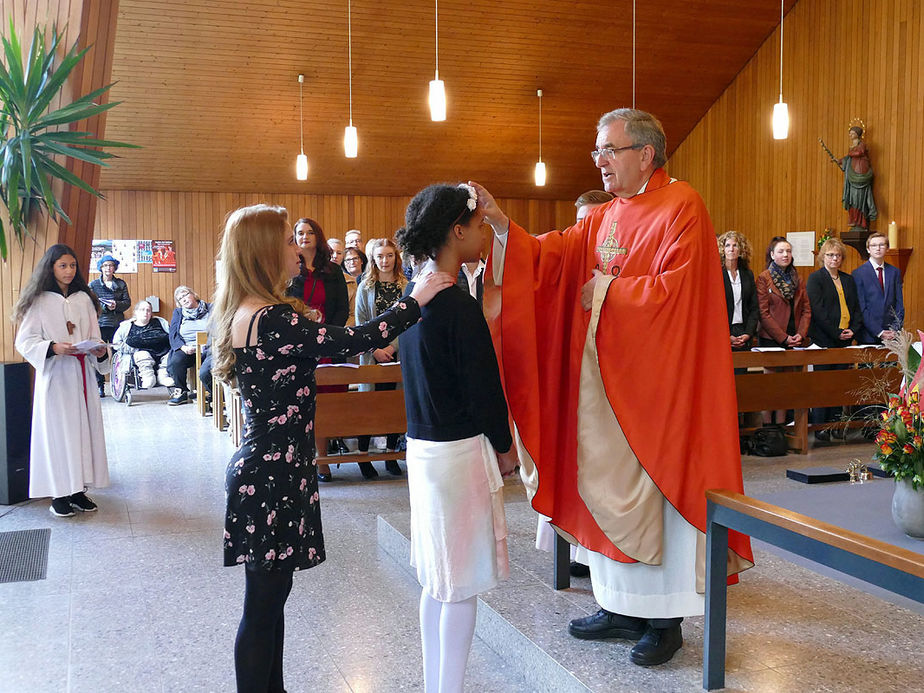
(146, 339)
(190, 316)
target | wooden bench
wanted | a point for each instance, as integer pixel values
(801, 389)
(350, 414)
(219, 420)
(201, 339)
(885, 565)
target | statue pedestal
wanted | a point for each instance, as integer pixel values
(856, 239)
(899, 258)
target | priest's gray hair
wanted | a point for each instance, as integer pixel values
(642, 127)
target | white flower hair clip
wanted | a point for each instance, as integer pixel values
(472, 201)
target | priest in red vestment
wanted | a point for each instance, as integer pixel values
(614, 351)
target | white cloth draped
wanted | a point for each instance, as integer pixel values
(458, 526)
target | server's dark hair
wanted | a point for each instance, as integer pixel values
(429, 218)
(43, 279)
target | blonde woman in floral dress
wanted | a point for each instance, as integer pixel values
(262, 337)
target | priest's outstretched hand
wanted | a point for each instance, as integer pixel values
(587, 291)
(487, 207)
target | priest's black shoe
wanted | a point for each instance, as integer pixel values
(657, 646)
(605, 624)
(578, 569)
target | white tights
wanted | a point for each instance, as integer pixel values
(446, 630)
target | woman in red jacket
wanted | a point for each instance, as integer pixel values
(785, 314)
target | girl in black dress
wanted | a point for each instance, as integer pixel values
(262, 338)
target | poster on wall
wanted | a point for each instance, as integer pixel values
(124, 252)
(163, 256)
(803, 243)
(97, 250)
(143, 252)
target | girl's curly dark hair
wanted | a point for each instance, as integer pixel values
(429, 218)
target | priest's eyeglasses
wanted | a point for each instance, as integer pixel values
(609, 153)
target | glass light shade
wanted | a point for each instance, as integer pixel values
(301, 167)
(780, 121)
(350, 142)
(540, 173)
(437, 100)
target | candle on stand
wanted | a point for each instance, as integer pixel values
(893, 235)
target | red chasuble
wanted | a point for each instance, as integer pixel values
(664, 421)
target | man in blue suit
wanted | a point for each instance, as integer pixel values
(879, 286)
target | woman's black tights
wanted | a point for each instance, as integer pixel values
(259, 643)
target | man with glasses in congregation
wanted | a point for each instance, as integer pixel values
(614, 351)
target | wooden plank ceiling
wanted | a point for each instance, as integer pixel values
(210, 88)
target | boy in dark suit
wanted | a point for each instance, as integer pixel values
(879, 288)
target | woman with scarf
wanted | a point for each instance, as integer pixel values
(785, 313)
(190, 316)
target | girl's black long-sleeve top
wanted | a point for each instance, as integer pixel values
(452, 387)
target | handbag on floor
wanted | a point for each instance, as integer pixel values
(769, 441)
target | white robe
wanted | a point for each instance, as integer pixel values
(68, 449)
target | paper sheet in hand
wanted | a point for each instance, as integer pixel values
(87, 345)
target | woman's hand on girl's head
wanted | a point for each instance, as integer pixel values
(426, 286)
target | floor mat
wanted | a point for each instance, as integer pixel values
(24, 555)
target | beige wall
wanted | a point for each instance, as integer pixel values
(194, 221)
(842, 59)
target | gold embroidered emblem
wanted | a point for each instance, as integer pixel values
(610, 249)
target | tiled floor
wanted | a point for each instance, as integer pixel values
(136, 598)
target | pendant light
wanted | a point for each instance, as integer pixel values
(350, 136)
(301, 161)
(633, 53)
(540, 167)
(437, 88)
(781, 110)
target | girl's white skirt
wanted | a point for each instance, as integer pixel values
(458, 528)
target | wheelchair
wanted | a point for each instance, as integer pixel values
(125, 380)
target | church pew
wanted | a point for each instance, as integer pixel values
(354, 413)
(891, 567)
(800, 389)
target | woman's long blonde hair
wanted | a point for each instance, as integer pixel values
(372, 271)
(252, 263)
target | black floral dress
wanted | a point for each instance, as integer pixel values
(273, 519)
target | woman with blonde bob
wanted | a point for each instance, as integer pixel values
(263, 338)
(836, 318)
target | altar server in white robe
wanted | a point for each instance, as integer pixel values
(57, 311)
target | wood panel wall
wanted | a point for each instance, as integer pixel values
(94, 22)
(842, 59)
(194, 221)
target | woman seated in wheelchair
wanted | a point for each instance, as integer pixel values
(145, 341)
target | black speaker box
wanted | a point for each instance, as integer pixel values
(15, 431)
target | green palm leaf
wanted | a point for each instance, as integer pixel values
(32, 136)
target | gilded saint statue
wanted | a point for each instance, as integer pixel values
(858, 179)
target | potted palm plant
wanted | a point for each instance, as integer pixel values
(34, 137)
